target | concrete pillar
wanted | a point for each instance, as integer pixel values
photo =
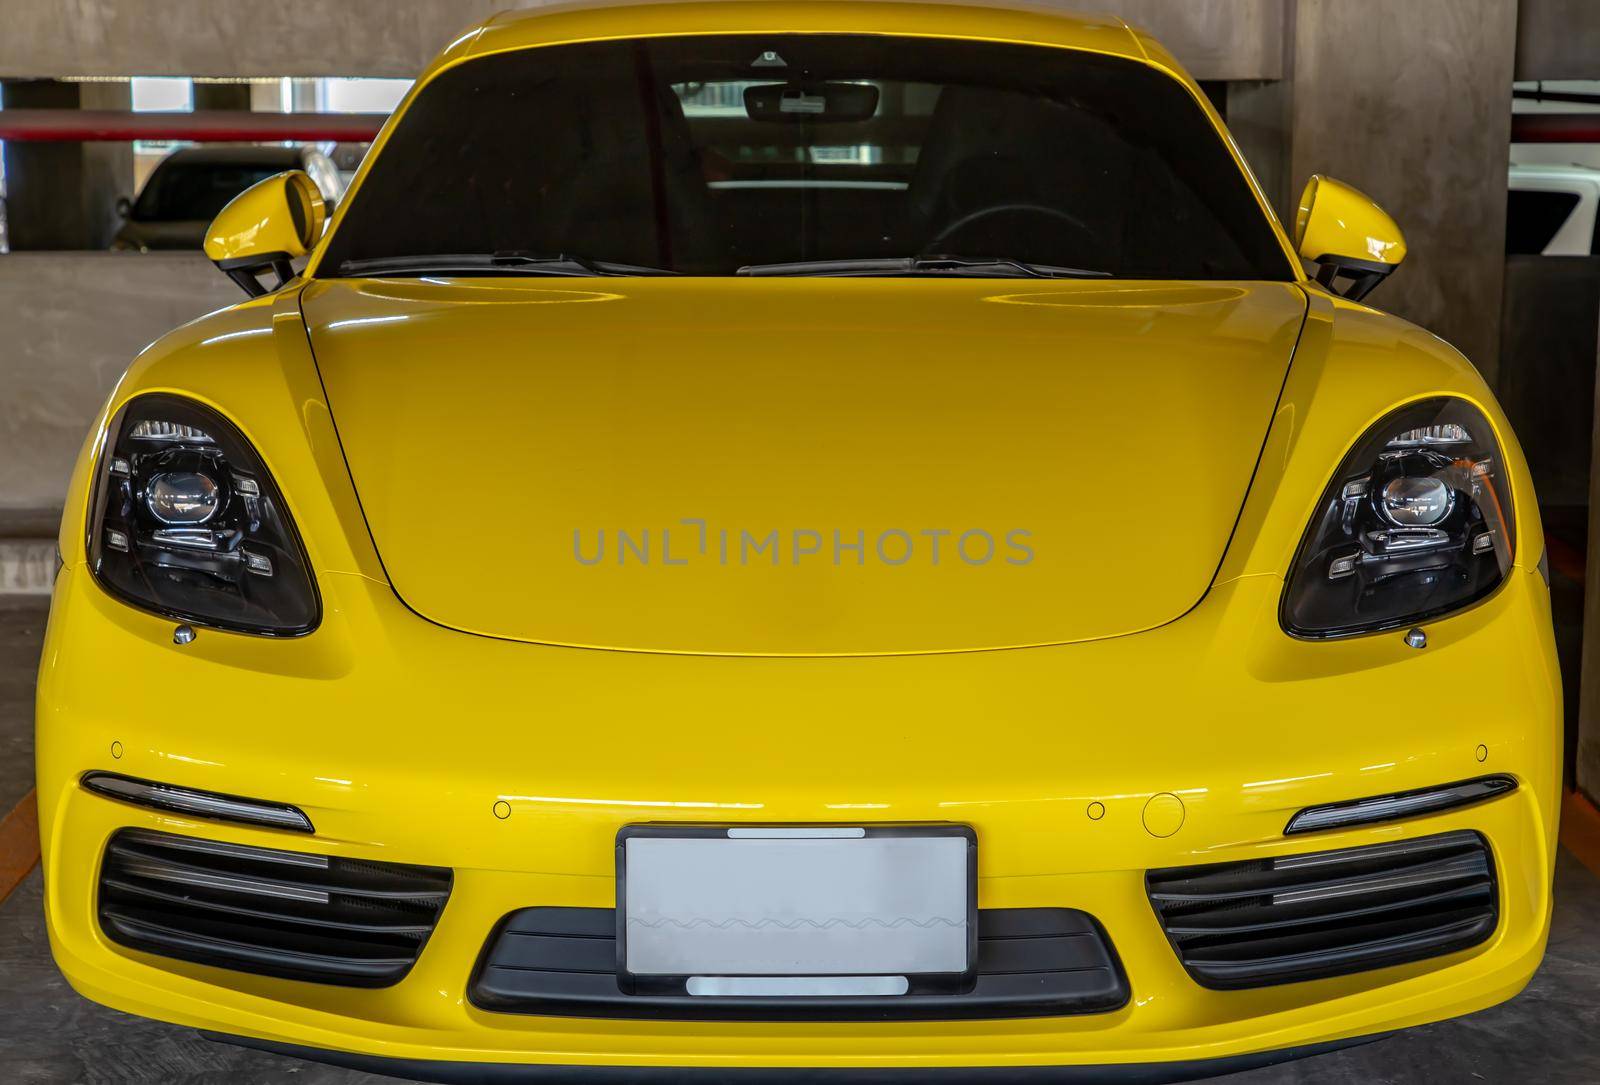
(1586, 760)
(1557, 39)
(1411, 103)
(64, 195)
(1560, 39)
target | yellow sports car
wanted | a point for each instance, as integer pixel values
(800, 535)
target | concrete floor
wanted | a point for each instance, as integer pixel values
(48, 1034)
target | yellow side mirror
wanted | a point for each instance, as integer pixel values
(266, 226)
(1341, 230)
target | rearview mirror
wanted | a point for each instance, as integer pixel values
(266, 226)
(1348, 236)
(826, 103)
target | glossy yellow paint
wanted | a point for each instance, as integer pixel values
(277, 218)
(1337, 220)
(826, 471)
(398, 735)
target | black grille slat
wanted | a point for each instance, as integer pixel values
(183, 944)
(1396, 851)
(299, 916)
(267, 937)
(1277, 917)
(1032, 962)
(401, 923)
(1258, 883)
(126, 843)
(1301, 917)
(1333, 938)
(349, 880)
(1394, 950)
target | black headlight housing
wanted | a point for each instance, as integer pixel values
(1416, 523)
(185, 521)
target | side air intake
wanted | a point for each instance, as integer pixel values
(276, 913)
(1328, 913)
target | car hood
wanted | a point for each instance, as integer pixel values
(801, 466)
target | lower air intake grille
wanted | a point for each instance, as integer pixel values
(276, 913)
(1327, 913)
(1032, 962)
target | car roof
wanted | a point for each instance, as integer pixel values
(235, 155)
(1030, 21)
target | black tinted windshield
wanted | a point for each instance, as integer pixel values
(184, 191)
(705, 154)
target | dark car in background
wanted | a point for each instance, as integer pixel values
(189, 187)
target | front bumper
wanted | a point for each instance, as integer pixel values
(481, 1073)
(399, 739)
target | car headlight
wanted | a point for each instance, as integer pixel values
(1417, 522)
(186, 522)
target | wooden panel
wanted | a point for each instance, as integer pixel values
(1580, 829)
(19, 843)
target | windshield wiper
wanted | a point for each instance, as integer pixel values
(496, 263)
(984, 267)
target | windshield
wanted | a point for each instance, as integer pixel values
(704, 155)
(187, 191)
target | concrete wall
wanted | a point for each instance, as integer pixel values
(73, 321)
(1550, 339)
(1218, 39)
(1558, 39)
(1215, 39)
(1411, 103)
(50, 38)
(64, 195)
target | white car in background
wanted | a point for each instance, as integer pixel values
(1551, 210)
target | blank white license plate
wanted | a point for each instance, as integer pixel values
(722, 901)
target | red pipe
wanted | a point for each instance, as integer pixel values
(208, 126)
(223, 126)
(1545, 127)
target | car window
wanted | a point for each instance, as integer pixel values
(703, 154)
(184, 191)
(1534, 217)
